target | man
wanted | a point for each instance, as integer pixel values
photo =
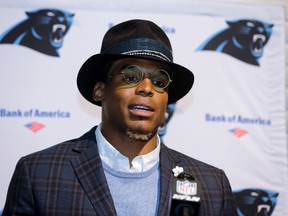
(120, 167)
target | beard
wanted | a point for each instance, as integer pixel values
(138, 133)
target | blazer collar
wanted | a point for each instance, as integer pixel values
(89, 171)
(167, 163)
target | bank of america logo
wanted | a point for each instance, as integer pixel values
(238, 132)
(34, 126)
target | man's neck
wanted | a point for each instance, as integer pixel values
(116, 160)
(131, 148)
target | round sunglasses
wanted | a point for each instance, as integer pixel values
(133, 74)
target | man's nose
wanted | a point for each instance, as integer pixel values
(145, 87)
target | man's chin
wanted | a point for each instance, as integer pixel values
(139, 133)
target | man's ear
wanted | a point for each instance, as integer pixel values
(98, 91)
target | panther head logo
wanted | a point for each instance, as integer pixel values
(170, 109)
(243, 39)
(42, 31)
(255, 202)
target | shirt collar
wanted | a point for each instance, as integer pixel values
(113, 158)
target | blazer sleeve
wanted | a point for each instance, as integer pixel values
(19, 199)
(229, 205)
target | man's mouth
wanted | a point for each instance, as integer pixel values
(141, 110)
(139, 107)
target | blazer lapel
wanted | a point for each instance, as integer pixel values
(88, 168)
(167, 163)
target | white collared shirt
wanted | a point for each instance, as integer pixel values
(113, 158)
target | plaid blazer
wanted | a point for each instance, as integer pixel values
(68, 179)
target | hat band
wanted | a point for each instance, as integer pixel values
(141, 46)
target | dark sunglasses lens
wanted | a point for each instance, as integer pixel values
(132, 74)
(160, 79)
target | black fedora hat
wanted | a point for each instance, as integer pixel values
(134, 39)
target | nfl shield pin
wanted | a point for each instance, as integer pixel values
(186, 194)
(186, 187)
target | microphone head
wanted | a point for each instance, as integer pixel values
(186, 198)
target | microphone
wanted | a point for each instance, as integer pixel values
(185, 196)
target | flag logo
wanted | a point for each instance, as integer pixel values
(34, 126)
(238, 132)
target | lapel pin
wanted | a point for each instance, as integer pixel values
(177, 170)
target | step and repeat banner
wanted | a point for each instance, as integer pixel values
(234, 117)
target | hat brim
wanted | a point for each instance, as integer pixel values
(93, 68)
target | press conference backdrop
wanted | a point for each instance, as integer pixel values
(234, 117)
